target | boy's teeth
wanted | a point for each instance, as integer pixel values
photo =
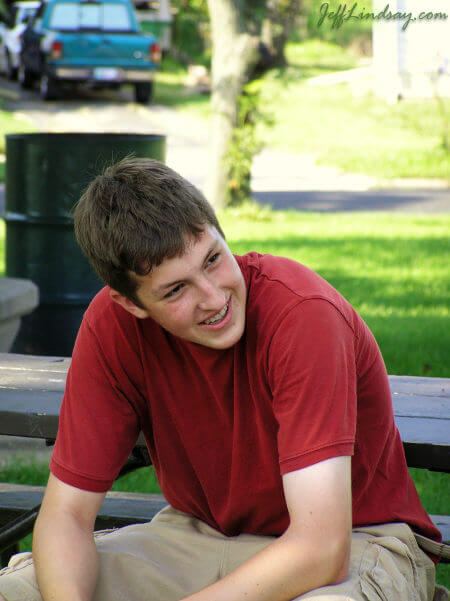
(217, 317)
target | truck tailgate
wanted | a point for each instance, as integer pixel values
(114, 49)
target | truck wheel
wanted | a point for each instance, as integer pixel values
(25, 76)
(11, 72)
(143, 92)
(48, 88)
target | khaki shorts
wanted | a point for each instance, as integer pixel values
(175, 555)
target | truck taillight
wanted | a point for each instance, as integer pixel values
(56, 51)
(155, 53)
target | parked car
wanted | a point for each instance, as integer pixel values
(94, 42)
(11, 32)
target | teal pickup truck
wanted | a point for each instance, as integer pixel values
(93, 42)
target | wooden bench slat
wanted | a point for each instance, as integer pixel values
(118, 508)
(123, 508)
(33, 362)
(424, 430)
(420, 386)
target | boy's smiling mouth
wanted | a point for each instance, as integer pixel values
(218, 318)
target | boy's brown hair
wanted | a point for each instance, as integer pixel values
(133, 216)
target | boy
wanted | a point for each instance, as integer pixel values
(266, 410)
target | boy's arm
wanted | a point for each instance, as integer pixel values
(64, 551)
(313, 552)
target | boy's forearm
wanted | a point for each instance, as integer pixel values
(66, 559)
(286, 568)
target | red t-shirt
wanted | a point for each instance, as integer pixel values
(306, 382)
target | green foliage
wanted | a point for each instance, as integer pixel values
(245, 144)
(191, 41)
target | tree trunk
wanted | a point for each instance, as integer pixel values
(234, 51)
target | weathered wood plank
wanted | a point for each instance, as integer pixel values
(121, 507)
(118, 508)
(32, 365)
(420, 386)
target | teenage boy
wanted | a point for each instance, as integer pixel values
(266, 408)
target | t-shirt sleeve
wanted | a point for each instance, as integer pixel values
(312, 374)
(98, 425)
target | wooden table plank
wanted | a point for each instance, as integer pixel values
(118, 508)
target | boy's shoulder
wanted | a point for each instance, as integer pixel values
(103, 314)
(283, 277)
(277, 285)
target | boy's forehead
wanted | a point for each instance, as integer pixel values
(172, 269)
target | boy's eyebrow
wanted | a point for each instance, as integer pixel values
(168, 285)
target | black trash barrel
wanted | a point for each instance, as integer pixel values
(45, 175)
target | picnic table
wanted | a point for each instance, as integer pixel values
(31, 389)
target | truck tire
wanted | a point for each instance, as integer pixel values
(143, 92)
(25, 77)
(48, 87)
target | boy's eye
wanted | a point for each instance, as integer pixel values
(213, 258)
(174, 291)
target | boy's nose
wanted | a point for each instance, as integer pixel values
(213, 298)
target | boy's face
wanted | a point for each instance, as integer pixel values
(200, 296)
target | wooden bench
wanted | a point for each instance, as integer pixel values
(31, 390)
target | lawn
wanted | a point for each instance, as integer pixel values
(10, 124)
(346, 127)
(351, 129)
(390, 267)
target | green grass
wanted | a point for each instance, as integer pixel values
(356, 132)
(170, 90)
(10, 124)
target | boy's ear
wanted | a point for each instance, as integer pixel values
(128, 305)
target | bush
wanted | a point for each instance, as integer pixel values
(191, 40)
(245, 144)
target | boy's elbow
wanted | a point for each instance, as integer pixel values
(338, 560)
